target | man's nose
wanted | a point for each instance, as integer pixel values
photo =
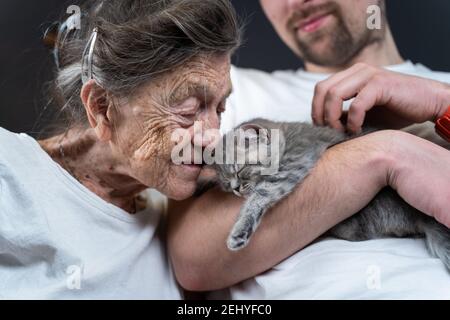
(297, 4)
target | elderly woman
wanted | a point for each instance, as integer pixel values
(73, 220)
(76, 219)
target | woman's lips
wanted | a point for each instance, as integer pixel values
(192, 167)
(313, 24)
(187, 172)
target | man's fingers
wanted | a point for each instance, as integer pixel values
(321, 89)
(364, 101)
(333, 110)
(347, 88)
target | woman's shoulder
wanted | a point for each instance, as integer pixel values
(6, 142)
(5, 134)
(13, 147)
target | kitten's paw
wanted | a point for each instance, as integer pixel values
(235, 243)
(239, 239)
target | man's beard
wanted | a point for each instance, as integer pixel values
(342, 45)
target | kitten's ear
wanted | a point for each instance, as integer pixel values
(250, 125)
(255, 132)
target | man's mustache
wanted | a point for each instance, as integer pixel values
(310, 10)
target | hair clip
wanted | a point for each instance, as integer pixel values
(52, 36)
(87, 61)
(51, 39)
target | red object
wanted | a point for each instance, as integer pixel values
(443, 125)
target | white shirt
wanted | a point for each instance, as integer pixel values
(287, 96)
(330, 268)
(58, 240)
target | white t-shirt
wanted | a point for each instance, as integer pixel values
(330, 268)
(58, 240)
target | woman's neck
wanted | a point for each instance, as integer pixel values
(93, 164)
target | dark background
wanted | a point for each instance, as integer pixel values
(421, 29)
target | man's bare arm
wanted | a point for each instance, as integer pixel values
(345, 179)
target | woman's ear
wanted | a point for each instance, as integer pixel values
(96, 103)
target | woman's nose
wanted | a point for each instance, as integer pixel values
(206, 132)
(210, 119)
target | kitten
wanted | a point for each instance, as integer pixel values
(300, 147)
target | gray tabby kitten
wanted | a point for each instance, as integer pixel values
(300, 147)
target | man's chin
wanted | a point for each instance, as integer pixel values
(321, 40)
(320, 52)
(318, 42)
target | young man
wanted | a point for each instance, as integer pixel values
(329, 36)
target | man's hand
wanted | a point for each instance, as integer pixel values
(400, 100)
(419, 171)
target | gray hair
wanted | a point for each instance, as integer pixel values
(138, 40)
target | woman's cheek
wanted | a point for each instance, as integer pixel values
(153, 149)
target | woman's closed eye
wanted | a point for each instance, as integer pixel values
(189, 104)
(189, 108)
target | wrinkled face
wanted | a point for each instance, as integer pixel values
(145, 122)
(324, 32)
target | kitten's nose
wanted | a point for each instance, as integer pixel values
(235, 186)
